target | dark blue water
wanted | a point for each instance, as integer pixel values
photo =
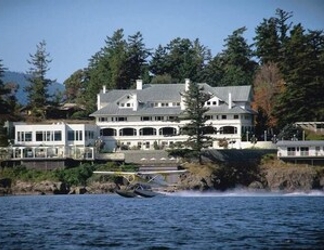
(182, 221)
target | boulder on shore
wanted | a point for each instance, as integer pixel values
(5, 186)
(290, 178)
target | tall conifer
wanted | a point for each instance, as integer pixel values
(37, 90)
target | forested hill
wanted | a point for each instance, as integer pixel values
(20, 80)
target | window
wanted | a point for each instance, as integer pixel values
(24, 136)
(128, 104)
(58, 135)
(102, 119)
(49, 136)
(228, 130)
(121, 119)
(39, 135)
(76, 135)
(146, 118)
(224, 117)
(214, 103)
(291, 151)
(147, 131)
(172, 118)
(70, 135)
(28, 136)
(236, 116)
(159, 118)
(127, 132)
(304, 151)
(208, 103)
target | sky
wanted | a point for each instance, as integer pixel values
(74, 30)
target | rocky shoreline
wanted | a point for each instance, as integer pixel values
(270, 178)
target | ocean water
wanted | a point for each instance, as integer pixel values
(186, 220)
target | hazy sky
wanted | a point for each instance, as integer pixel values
(74, 30)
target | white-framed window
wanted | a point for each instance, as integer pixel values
(75, 135)
(159, 118)
(24, 136)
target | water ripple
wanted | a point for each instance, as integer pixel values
(173, 222)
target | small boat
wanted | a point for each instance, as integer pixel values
(145, 193)
(137, 190)
(126, 193)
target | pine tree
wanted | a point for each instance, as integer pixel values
(75, 87)
(180, 59)
(195, 99)
(5, 109)
(234, 66)
(37, 90)
(136, 59)
(271, 37)
(301, 68)
(158, 64)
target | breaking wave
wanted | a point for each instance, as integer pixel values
(245, 193)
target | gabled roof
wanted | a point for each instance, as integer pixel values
(170, 93)
(239, 93)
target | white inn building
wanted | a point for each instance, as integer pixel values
(144, 118)
(147, 117)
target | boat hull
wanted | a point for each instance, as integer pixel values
(145, 193)
(126, 193)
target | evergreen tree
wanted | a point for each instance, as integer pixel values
(37, 90)
(195, 99)
(116, 55)
(302, 71)
(117, 65)
(215, 71)
(234, 66)
(159, 64)
(271, 36)
(5, 108)
(75, 87)
(136, 59)
(180, 59)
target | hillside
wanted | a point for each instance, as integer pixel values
(20, 79)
